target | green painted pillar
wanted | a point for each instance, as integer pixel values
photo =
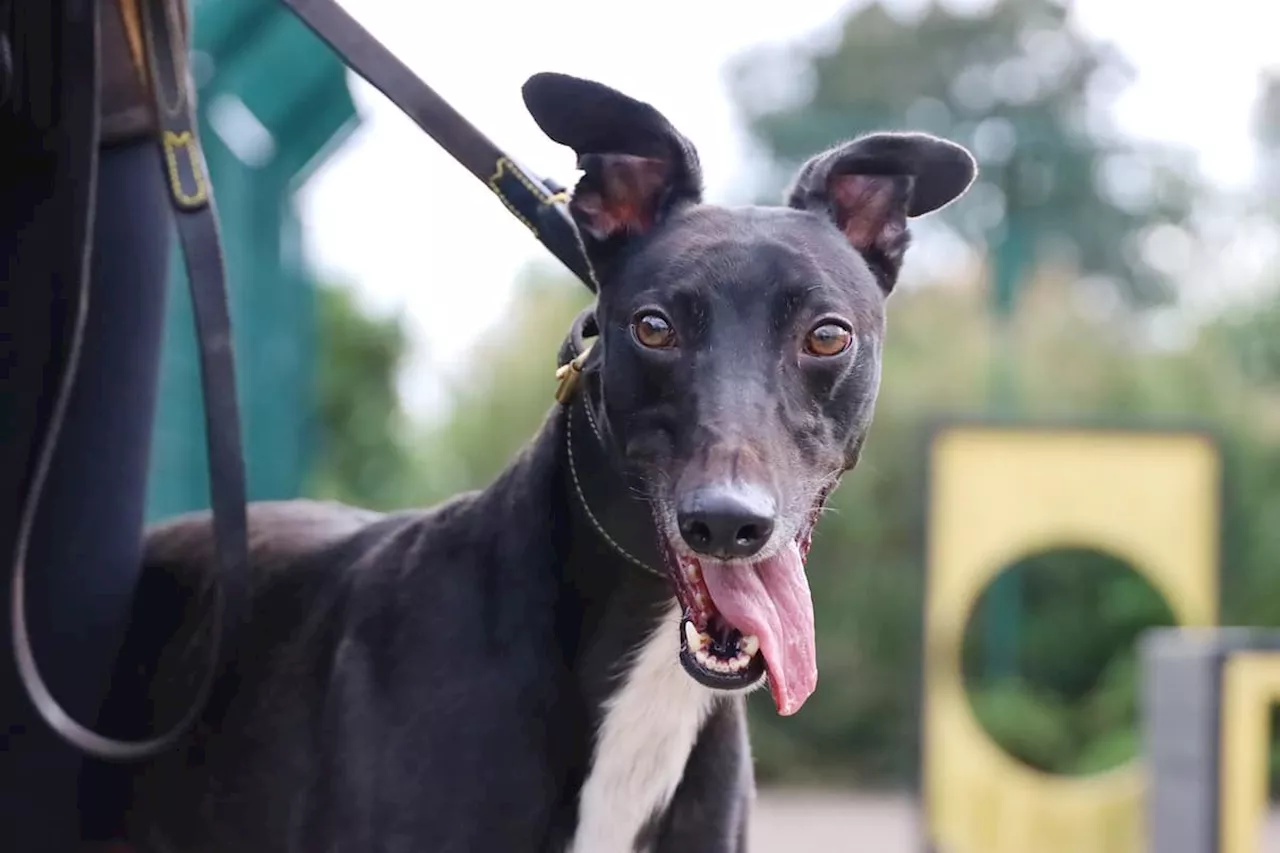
(273, 104)
(1004, 596)
(1013, 254)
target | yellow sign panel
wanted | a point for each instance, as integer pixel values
(998, 494)
(1250, 688)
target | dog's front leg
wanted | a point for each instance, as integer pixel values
(711, 808)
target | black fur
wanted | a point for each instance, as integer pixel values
(431, 680)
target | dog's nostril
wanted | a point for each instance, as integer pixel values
(696, 533)
(751, 534)
(725, 523)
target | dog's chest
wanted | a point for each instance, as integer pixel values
(647, 731)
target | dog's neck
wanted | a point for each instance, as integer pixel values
(645, 711)
(613, 570)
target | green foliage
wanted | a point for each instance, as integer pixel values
(1095, 606)
(1019, 84)
(1252, 336)
(363, 458)
(1033, 725)
(499, 404)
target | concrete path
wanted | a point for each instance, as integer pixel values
(798, 821)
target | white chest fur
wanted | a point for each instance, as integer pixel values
(649, 728)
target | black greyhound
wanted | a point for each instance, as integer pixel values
(557, 662)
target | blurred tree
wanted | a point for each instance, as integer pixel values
(362, 456)
(1251, 331)
(1096, 605)
(498, 405)
(1020, 85)
(1266, 129)
(1252, 334)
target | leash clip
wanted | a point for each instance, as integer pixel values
(567, 375)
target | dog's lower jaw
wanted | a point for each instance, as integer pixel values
(741, 672)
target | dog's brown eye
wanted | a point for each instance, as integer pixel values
(653, 330)
(828, 339)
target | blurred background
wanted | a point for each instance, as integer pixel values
(1117, 262)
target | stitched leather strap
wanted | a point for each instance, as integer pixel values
(539, 204)
(196, 220)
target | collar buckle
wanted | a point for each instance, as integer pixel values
(567, 375)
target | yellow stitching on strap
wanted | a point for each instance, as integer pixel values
(503, 165)
(173, 143)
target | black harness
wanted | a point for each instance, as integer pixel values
(540, 204)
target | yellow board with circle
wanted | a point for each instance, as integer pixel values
(1250, 689)
(1000, 493)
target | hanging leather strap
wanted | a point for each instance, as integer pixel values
(163, 47)
(156, 33)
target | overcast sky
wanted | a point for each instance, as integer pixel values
(393, 215)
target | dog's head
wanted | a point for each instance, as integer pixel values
(739, 354)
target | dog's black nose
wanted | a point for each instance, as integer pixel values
(721, 522)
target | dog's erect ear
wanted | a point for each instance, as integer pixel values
(635, 166)
(871, 185)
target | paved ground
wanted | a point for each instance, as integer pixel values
(788, 821)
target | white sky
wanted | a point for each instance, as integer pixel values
(395, 216)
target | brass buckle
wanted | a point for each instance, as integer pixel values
(567, 375)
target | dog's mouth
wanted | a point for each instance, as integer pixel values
(743, 620)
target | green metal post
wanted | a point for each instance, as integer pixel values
(1010, 260)
(269, 79)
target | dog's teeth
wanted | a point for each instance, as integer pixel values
(701, 600)
(702, 657)
(735, 665)
(750, 645)
(694, 639)
(692, 572)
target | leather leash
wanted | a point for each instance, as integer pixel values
(540, 204)
(191, 196)
(160, 51)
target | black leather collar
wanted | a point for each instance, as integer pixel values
(609, 500)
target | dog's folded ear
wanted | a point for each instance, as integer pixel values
(870, 186)
(636, 166)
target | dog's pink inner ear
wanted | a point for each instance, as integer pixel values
(871, 210)
(619, 194)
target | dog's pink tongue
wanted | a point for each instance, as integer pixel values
(771, 600)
